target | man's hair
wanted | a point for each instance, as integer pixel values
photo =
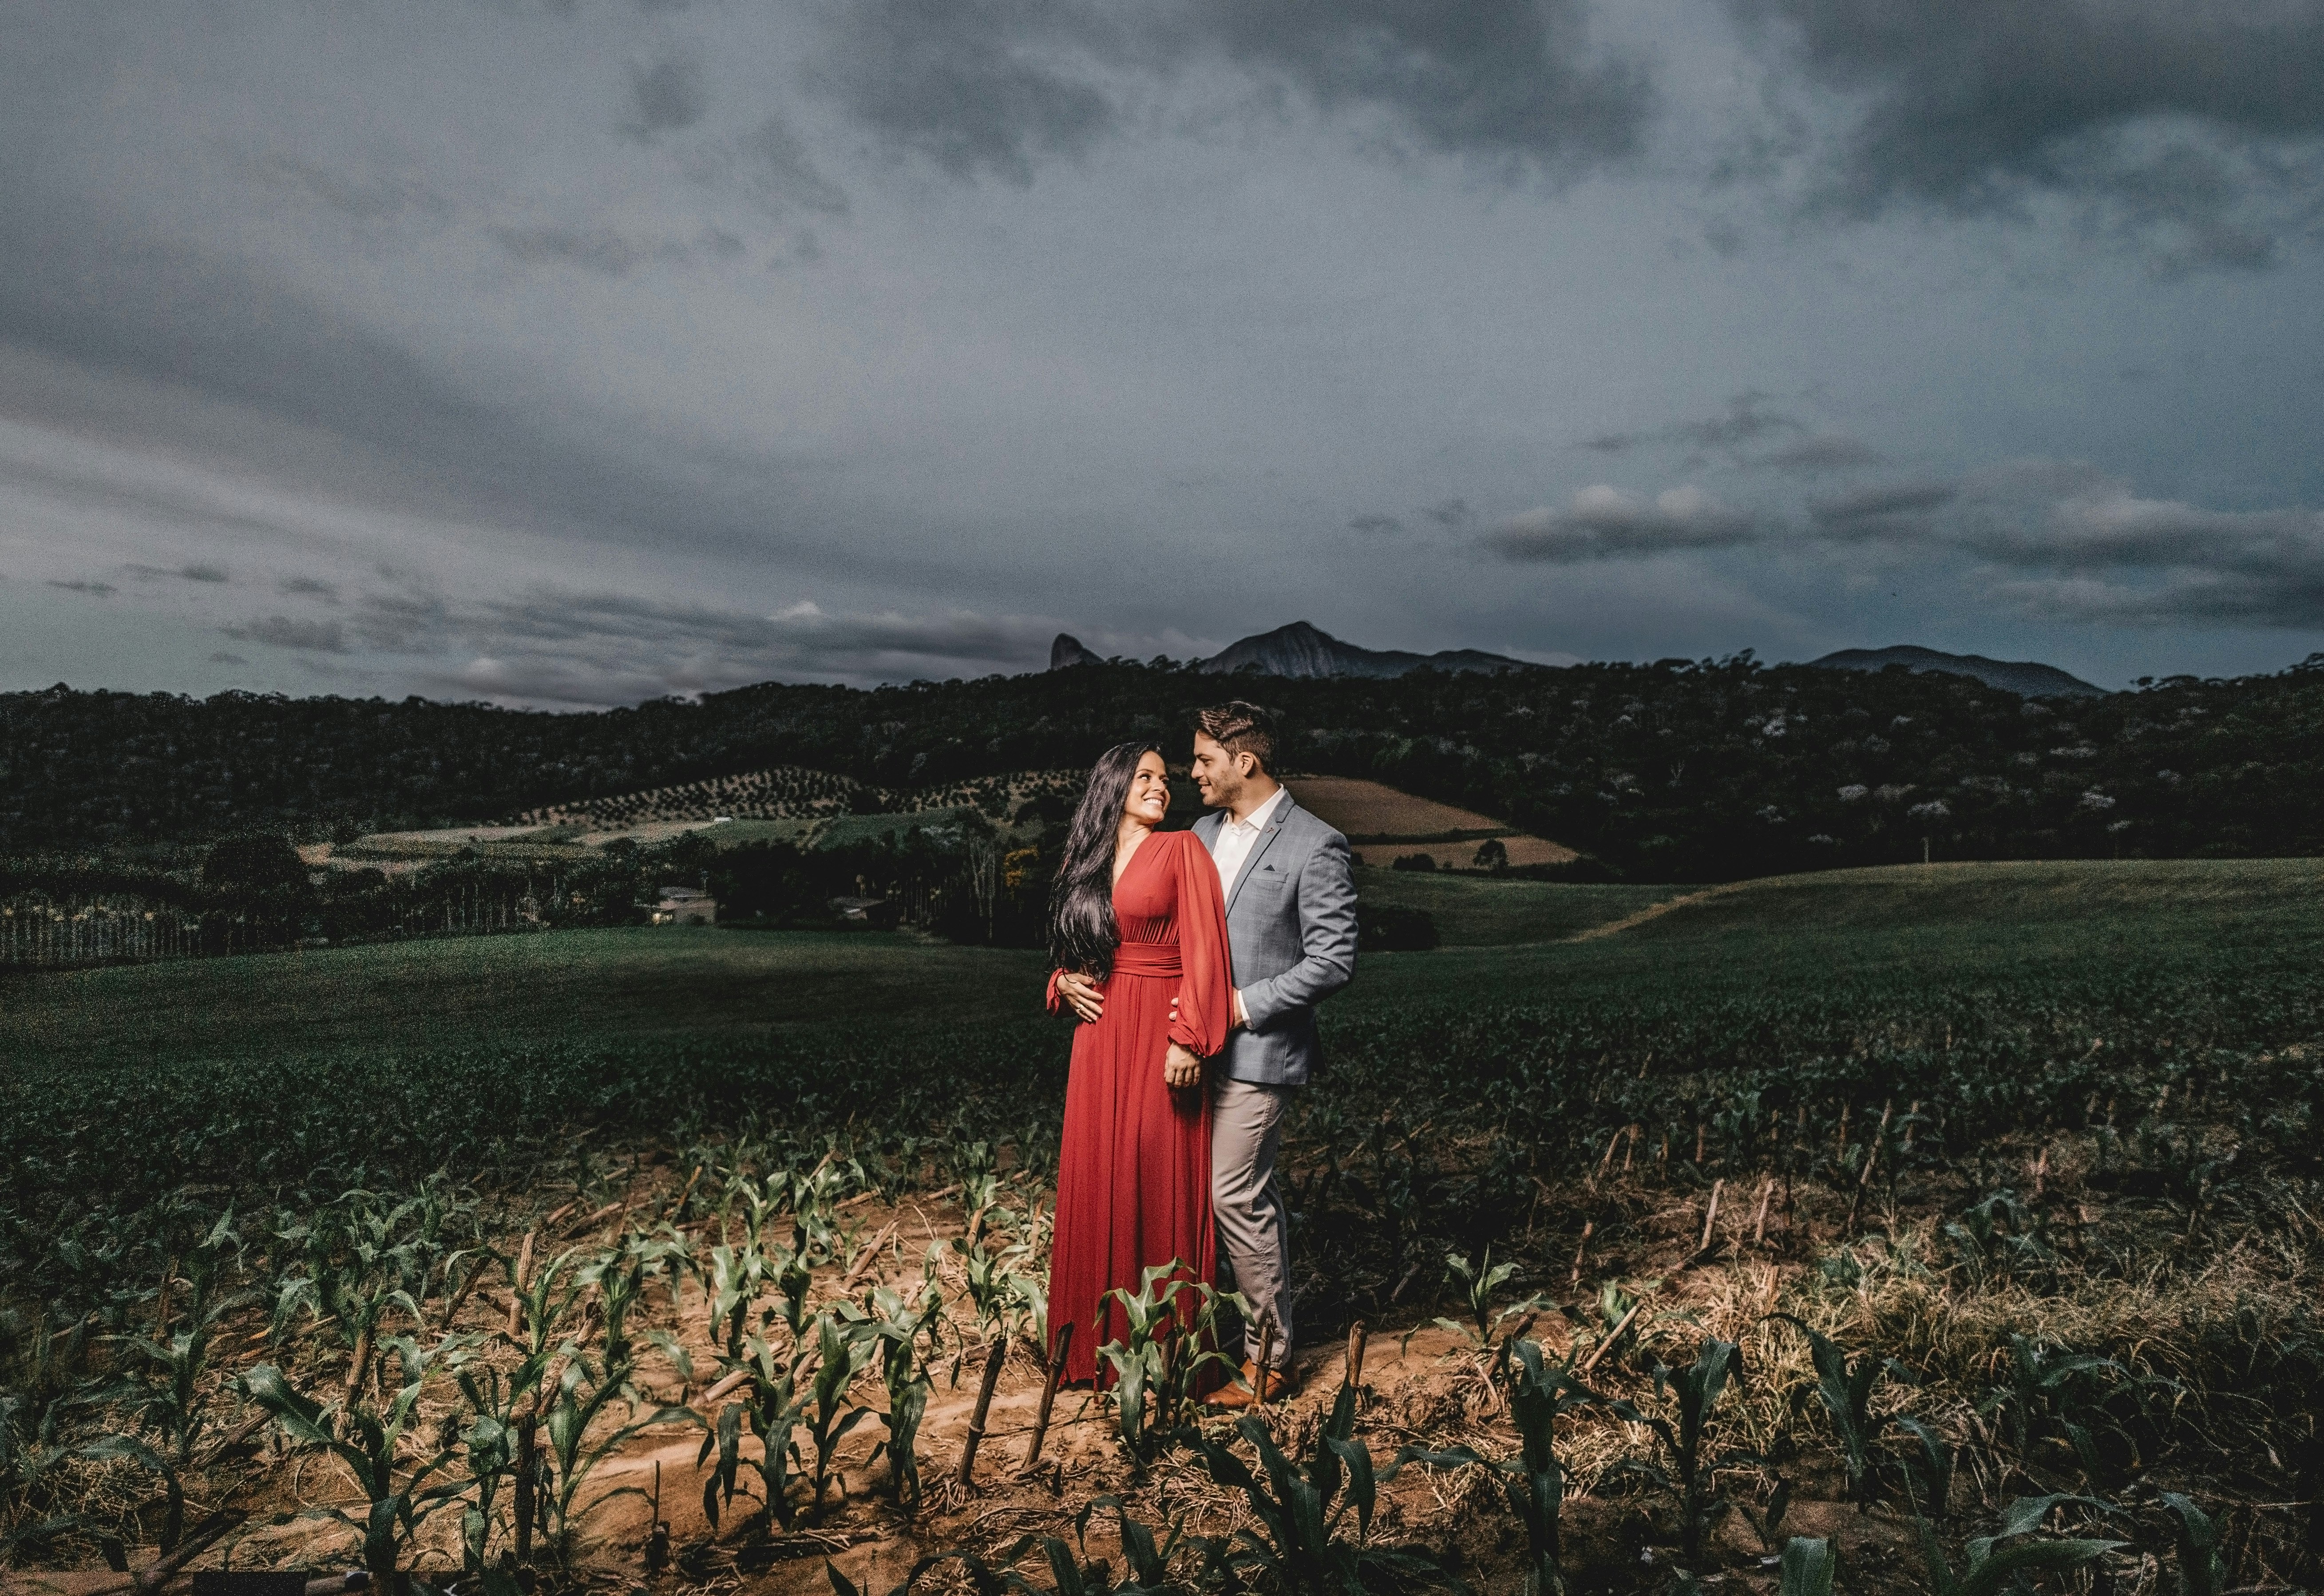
(1240, 728)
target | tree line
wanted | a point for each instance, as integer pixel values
(1675, 770)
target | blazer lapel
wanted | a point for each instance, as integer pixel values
(1259, 847)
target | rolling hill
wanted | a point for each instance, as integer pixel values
(2028, 678)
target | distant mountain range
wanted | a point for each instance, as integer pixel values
(1306, 651)
(2028, 678)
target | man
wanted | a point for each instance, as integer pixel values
(1291, 936)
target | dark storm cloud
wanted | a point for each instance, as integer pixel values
(778, 171)
(668, 95)
(197, 572)
(1746, 419)
(1510, 81)
(1450, 514)
(173, 313)
(2050, 540)
(1897, 510)
(373, 196)
(1821, 454)
(309, 587)
(285, 631)
(1376, 525)
(94, 590)
(2191, 123)
(986, 89)
(975, 86)
(1604, 523)
(802, 631)
(609, 252)
(223, 658)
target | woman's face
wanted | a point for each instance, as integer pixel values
(1150, 792)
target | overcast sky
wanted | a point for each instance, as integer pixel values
(572, 354)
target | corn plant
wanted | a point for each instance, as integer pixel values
(1808, 1568)
(1478, 1285)
(1997, 1236)
(488, 1448)
(1999, 1561)
(1005, 1297)
(1686, 1470)
(2044, 1387)
(395, 1505)
(1534, 1481)
(172, 1405)
(571, 1410)
(2202, 1570)
(1934, 1465)
(894, 1326)
(1073, 1573)
(1162, 1352)
(830, 1416)
(1845, 1387)
(1297, 1544)
(355, 1267)
(773, 1408)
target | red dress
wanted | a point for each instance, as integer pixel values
(1134, 1170)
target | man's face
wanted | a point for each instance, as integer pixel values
(1218, 774)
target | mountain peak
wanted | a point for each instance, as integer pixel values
(1067, 651)
(1305, 650)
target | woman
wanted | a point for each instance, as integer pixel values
(1140, 910)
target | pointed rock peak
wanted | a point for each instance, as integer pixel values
(1067, 651)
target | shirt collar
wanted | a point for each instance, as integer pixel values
(1265, 811)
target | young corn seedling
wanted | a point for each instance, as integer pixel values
(396, 1505)
(1688, 1472)
(1999, 1561)
(1147, 1571)
(774, 1408)
(1534, 1481)
(832, 1416)
(1483, 1326)
(1808, 1568)
(2202, 1570)
(894, 1327)
(2046, 1387)
(488, 1448)
(572, 1457)
(1162, 1352)
(1845, 1388)
(1296, 1545)
(173, 1406)
(1933, 1466)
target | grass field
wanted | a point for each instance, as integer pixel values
(2075, 1104)
(1906, 926)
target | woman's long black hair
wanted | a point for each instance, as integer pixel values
(1082, 932)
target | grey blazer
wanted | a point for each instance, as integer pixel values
(1291, 938)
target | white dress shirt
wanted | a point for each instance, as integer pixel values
(1231, 848)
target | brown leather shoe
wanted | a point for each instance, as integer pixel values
(1240, 1394)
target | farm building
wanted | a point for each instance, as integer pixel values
(684, 906)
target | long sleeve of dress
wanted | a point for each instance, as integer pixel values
(1050, 999)
(1205, 1004)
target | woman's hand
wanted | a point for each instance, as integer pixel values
(1083, 996)
(1181, 1067)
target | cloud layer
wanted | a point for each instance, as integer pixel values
(573, 352)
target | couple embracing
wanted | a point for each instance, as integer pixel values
(1195, 961)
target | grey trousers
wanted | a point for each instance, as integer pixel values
(1254, 1226)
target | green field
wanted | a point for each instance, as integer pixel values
(1900, 928)
(2076, 1102)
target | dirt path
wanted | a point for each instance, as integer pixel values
(1654, 911)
